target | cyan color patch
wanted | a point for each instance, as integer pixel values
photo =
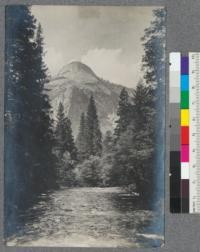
(184, 82)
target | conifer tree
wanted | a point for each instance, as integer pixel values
(20, 53)
(63, 135)
(43, 130)
(70, 145)
(143, 138)
(93, 132)
(123, 113)
(153, 66)
(132, 152)
(144, 110)
(28, 134)
(81, 138)
(154, 53)
(60, 131)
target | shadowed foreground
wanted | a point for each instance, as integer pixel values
(87, 217)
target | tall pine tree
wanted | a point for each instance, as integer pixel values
(153, 63)
(63, 135)
(123, 113)
(93, 132)
(60, 131)
(29, 163)
(144, 109)
(20, 27)
(43, 128)
(143, 138)
(153, 66)
(81, 138)
(70, 145)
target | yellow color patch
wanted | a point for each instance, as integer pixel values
(184, 117)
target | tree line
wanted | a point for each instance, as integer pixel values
(122, 158)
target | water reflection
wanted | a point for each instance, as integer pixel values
(88, 217)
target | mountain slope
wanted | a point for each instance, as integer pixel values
(73, 86)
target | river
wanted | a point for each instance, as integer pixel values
(87, 217)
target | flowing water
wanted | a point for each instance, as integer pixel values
(87, 217)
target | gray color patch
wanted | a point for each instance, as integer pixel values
(174, 142)
(174, 94)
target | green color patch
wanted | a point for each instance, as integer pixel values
(184, 99)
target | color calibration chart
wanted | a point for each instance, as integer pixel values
(184, 99)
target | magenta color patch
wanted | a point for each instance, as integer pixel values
(184, 153)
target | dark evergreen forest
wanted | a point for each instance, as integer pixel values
(41, 154)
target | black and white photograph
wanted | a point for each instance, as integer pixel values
(84, 126)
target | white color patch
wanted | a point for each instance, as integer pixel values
(185, 170)
(175, 62)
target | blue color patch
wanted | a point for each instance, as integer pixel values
(184, 82)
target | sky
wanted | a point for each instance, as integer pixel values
(106, 38)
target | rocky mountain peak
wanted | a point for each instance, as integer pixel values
(73, 87)
(78, 71)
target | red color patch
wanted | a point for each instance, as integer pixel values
(184, 135)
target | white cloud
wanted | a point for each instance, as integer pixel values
(73, 33)
(54, 60)
(107, 63)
